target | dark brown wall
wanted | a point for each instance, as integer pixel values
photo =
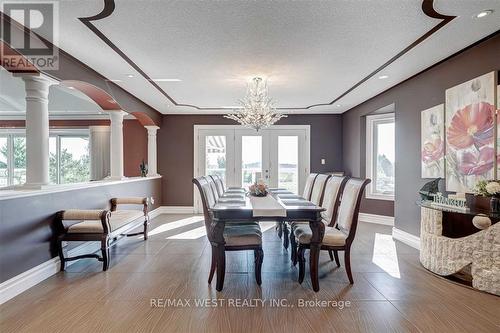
(27, 224)
(176, 141)
(411, 97)
(135, 147)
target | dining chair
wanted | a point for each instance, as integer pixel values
(316, 196)
(331, 199)
(306, 194)
(218, 184)
(309, 185)
(340, 236)
(237, 237)
(213, 187)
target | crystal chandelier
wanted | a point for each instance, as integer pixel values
(258, 110)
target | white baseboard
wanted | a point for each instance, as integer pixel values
(378, 219)
(406, 238)
(19, 283)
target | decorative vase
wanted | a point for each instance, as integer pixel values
(495, 205)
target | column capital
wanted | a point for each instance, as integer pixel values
(36, 77)
(152, 129)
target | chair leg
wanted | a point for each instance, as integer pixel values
(259, 258)
(105, 253)
(146, 223)
(293, 248)
(61, 255)
(212, 266)
(347, 260)
(286, 236)
(302, 263)
(330, 253)
(280, 229)
(221, 266)
(336, 256)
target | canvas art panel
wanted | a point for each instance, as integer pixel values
(470, 133)
(432, 142)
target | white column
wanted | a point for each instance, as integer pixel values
(37, 129)
(152, 160)
(116, 144)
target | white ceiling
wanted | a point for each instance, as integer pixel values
(311, 52)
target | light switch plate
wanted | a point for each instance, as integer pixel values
(323, 161)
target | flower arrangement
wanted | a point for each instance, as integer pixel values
(488, 188)
(258, 189)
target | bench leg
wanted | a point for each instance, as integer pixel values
(61, 254)
(105, 253)
(146, 223)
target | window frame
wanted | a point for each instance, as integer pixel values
(10, 133)
(371, 122)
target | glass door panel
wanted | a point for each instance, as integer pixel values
(215, 155)
(251, 160)
(288, 163)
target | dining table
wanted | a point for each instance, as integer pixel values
(281, 205)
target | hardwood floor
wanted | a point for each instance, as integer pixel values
(391, 291)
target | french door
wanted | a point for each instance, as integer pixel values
(278, 155)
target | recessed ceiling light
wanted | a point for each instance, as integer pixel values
(338, 105)
(383, 77)
(115, 80)
(485, 13)
(166, 80)
(130, 75)
(72, 88)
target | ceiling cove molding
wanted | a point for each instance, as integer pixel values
(109, 7)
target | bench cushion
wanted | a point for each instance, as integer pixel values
(333, 236)
(117, 220)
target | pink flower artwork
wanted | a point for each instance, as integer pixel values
(472, 125)
(432, 150)
(476, 162)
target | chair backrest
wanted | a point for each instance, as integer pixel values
(347, 219)
(331, 198)
(309, 185)
(318, 188)
(213, 186)
(218, 184)
(207, 201)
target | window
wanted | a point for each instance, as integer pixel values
(69, 160)
(380, 156)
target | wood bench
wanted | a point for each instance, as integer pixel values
(101, 225)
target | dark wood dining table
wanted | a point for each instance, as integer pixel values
(231, 209)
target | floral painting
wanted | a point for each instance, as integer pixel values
(470, 133)
(432, 142)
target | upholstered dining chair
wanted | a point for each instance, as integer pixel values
(218, 184)
(340, 236)
(306, 194)
(332, 193)
(315, 197)
(237, 237)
